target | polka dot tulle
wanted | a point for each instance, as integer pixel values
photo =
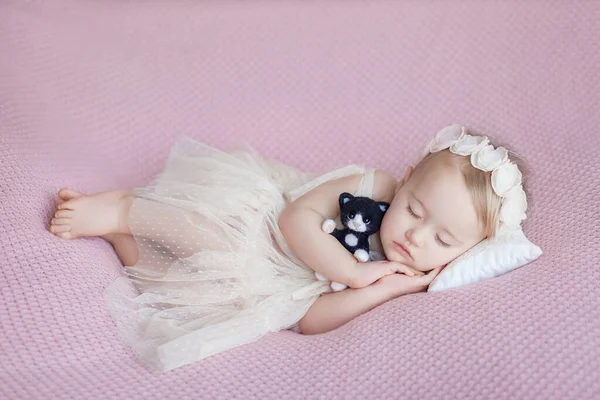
(214, 271)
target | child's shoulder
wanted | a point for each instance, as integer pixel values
(384, 186)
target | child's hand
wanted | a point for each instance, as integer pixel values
(372, 271)
(398, 284)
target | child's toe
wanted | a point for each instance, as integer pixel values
(60, 221)
(68, 194)
(60, 228)
(67, 205)
(65, 235)
(63, 214)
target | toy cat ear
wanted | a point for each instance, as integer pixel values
(383, 205)
(345, 197)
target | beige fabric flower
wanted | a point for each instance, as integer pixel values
(446, 138)
(468, 144)
(513, 208)
(488, 158)
(506, 177)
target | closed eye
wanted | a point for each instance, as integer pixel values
(410, 211)
(437, 238)
(444, 244)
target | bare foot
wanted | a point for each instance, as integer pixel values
(98, 214)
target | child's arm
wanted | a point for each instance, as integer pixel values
(332, 310)
(301, 222)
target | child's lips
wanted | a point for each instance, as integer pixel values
(402, 250)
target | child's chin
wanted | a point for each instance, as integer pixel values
(394, 256)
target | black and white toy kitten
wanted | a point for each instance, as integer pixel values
(361, 217)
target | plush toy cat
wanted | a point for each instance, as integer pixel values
(361, 217)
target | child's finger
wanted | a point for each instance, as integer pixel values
(416, 271)
(433, 273)
(408, 270)
(404, 269)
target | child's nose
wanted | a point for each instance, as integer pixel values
(414, 236)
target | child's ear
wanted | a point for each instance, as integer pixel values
(344, 198)
(407, 176)
(383, 206)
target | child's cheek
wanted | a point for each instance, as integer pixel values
(387, 225)
(383, 226)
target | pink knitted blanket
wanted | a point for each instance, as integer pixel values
(93, 93)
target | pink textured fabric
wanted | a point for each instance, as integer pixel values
(92, 94)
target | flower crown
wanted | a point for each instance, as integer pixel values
(506, 177)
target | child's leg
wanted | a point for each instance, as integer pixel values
(102, 214)
(125, 247)
(106, 215)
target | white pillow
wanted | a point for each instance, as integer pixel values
(488, 259)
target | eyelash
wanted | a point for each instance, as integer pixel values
(437, 238)
(412, 213)
(443, 244)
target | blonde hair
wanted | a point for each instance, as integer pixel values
(479, 183)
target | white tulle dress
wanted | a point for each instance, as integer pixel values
(214, 271)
